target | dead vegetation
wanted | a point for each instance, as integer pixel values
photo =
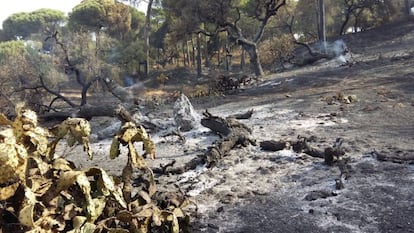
(43, 192)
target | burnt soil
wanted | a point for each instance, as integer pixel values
(252, 190)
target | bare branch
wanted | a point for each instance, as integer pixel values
(57, 94)
(71, 67)
(270, 10)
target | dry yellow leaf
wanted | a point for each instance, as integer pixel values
(47, 188)
(145, 213)
(106, 185)
(8, 191)
(88, 228)
(39, 184)
(129, 132)
(26, 215)
(76, 130)
(78, 222)
(13, 158)
(114, 151)
(61, 165)
(137, 160)
(4, 120)
(175, 227)
(66, 179)
(145, 196)
(157, 217)
(95, 208)
(42, 165)
(152, 188)
(179, 213)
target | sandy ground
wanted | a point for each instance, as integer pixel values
(257, 191)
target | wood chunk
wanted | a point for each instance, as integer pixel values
(272, 145)
(241, 116)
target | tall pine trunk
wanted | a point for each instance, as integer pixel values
(242, 60)
(322, 24)
(206, 57)
(407, 7)
(147, 32)
(198, 56)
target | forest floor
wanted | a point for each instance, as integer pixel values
(252, 190)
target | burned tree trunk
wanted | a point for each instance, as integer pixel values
(251, 49)
(121, 93)
(89, 111)
(273, 145)
(232, 132)
(86, 111)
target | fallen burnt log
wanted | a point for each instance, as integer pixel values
(299, 146)
(273, 145)
(332, 155)
(232, 132)
(398, 157)
(88, 111)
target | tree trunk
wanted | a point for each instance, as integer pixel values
(147, 32)
(218, 57)
(242, 60)
(198, 56)
(357, 14)
(249, 45)
(322, 24)
(251, 49)
(206, 58)
(233, 134)
(86, 111)
(347, 17)
(191, 53)
(185, 53)
(407, 7)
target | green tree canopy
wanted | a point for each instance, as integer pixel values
(23, 24)
(137, 19)
(342, 15)
(109, 15)
(11, 49)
